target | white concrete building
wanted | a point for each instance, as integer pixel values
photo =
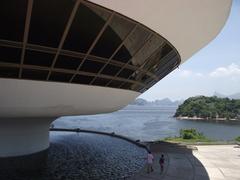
(74, 57)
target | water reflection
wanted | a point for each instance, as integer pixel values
(84, 156)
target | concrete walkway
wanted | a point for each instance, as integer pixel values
(212, 162)
(222, 162)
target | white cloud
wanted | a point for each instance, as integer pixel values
(199, 75)
(185, 73)
(229, 71)
(188, 73)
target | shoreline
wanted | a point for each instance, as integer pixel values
(145, 144)
(223, 120)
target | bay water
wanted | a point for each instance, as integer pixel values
(147, 123)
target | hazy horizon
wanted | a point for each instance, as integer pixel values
(226, 95)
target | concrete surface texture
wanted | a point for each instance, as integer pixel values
(220, 161)
(211, 162)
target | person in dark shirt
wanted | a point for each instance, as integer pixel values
(161, 162)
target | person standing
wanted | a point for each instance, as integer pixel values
(149, 162)
(161, 162)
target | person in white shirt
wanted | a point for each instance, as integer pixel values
(149, 162)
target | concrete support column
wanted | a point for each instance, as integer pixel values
(24, 142)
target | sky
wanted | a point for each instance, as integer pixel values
(215, 68)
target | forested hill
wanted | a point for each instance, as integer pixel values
(209, 107)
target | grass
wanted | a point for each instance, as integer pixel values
(189, 136)
(192, 136)
(179, 140)
(237, 139)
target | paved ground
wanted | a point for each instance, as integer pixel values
(220, 161)
(214, 162)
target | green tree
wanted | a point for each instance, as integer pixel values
(209, 107)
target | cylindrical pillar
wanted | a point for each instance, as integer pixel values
(24, 142)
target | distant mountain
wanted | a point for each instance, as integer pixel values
(219, 95)
(166, 102)
(235, 96)
(139, 102)
(232, 96)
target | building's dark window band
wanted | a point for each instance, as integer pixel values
(50, 56)
(126, 54)
(63, 71)
(71, 54)
(40, 74)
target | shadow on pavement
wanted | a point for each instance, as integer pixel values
(180, 163)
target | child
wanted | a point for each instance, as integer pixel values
(161, 162)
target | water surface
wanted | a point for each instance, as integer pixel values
(147, 123)
(85, 156)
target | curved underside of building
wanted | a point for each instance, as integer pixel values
(64, 57)
(72, 57)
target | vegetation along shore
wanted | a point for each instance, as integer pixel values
(210, 109)
(192, 136)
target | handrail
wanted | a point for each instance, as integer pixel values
(112, 134)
